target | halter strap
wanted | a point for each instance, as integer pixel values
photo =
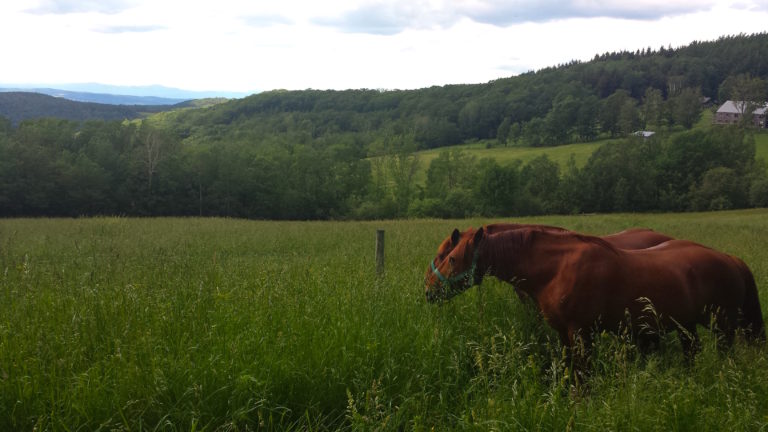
(459, 277)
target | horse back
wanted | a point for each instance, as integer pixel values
(636, 238)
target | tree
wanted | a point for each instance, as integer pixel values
(758, 192)
(451, 170)
(561, 120)
(651, 111)
(402, 167)
(502, 133)
(394, 166)
(436, 132)
(480, 117)
(721, 188)
(533, 131)
(685, 107)
(628, 117)
(154, 145)
(497, 188)
(540, 180)
(611, 110)
(570, 195)
(687, 156)
(587, 117)
(515, 132)
(621, 176)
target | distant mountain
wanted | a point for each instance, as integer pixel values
(18, 106)
(102, 98)
(120, 95)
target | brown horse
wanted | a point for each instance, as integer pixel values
(581, 283)
(633, 238)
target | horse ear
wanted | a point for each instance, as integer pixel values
(455, 236)
(479, 236)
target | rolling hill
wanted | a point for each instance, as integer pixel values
(19, 106)
(102, 98)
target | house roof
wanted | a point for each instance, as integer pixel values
(644, 134)
(730, 107)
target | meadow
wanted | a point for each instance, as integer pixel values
(561, 154)
(222, 324)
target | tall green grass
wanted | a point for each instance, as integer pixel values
(216, 324)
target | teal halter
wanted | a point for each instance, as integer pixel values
(450, 281)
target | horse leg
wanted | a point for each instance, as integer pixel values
(689, 339)
(725, 339)
(724, 327)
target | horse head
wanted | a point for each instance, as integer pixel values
(454, 272)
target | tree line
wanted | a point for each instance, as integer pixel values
(62, 168)
(697, 170)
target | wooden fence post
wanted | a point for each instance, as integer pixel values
(379, 252)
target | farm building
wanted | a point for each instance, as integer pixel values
(644, 133)
(730, 113)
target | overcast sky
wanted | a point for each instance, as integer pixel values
(246, 46)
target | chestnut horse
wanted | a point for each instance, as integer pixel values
(581, 283)
(633, 238)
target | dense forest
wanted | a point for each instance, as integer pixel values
(350, 154)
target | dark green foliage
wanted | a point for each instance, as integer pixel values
(498, 187)
(60, 168)
(758, 192)
(621, 177)
(720, 189)
(540, 181)
(686, 157)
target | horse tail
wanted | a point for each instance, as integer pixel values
(752, 318)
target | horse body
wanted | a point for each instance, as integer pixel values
(633, 238)
(583, 283)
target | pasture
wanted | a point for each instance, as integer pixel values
(580, 152)
(218, 324)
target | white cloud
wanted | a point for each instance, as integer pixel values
(240, 45)
(80, 6)
(391, 17)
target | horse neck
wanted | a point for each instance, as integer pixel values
(511, 257)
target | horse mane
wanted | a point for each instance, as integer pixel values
(524, 236)
(503, 226)
(510, 240)
(597, 241)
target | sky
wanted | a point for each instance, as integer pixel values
(249, 46)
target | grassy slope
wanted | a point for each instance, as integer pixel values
(560, 154)
(761, 146)
(186, 324)
(504, 155)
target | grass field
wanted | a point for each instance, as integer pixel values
(217, 324)
(560, 154)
